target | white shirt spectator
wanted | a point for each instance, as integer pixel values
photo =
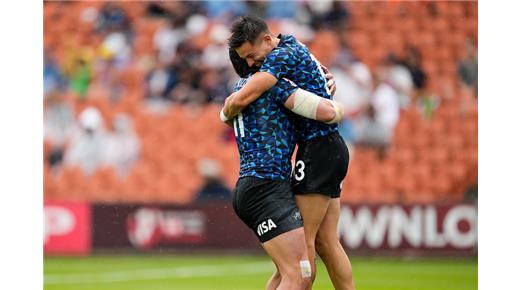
(166, 40)
(353, 87)
(212, 56)
(87, 145)
(158, 81)
(386, 105)
(401, 79)
(123, 145)
(115, 46)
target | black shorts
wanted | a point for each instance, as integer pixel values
(321, 165)
(266, 206)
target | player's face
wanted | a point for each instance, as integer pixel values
(254, 54)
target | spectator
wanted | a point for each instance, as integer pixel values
(116, 48)
(354, 86)
(328, 14)
(426, 102)
(257, 8)
(212, 55)
(412, 62)
(371, 132)
(167, 38)
(111, 18)
(80, 78)
(123, 145)
(385, 102)
(53, 78)
(160, 82)
(400, 78)
(214, 85)
(58, 126)
(58, 119)
(468, 67)
(55, 159)
(87, 145)
(213, 189)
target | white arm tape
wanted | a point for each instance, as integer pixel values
(305, 104)
(338, 109)
(223, 117)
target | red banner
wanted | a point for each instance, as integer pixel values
(152, 227)
(67, 228)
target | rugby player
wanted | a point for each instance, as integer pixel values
(322, 157)
(263, 198)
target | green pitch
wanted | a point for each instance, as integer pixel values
(152, 272)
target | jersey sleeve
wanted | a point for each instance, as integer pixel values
(238, 85)
(283, 89)
(279, 62)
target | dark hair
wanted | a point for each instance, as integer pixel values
(246, 29)
(240, 64)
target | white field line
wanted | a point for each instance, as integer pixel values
(158, 273)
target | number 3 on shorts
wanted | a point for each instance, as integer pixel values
(298, 170)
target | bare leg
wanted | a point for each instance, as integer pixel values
(313, 208)
(287, 250)
(331, 252)
(274, 281)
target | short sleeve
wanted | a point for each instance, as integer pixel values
(239, 84)
(283, 90)
(279, 62)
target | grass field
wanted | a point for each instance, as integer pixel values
(246, 272)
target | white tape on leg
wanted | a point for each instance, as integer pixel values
(305, 268)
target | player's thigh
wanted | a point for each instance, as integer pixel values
(313, 208)
(267, 207)
(288, 251)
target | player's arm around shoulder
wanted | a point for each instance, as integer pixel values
(252, 90)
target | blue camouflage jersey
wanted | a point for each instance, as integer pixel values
(265, 136)
(292, 60)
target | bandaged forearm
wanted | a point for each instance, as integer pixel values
(313, 107)
(305, 104)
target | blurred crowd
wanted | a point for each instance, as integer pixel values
(180, 70)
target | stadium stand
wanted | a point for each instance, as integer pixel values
(430, 160)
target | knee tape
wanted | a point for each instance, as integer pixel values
(305, 268)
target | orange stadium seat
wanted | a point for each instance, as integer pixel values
(72, 183)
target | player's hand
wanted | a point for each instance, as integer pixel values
(227, 105)
(331, 82)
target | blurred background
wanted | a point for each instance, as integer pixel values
(137, 160)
